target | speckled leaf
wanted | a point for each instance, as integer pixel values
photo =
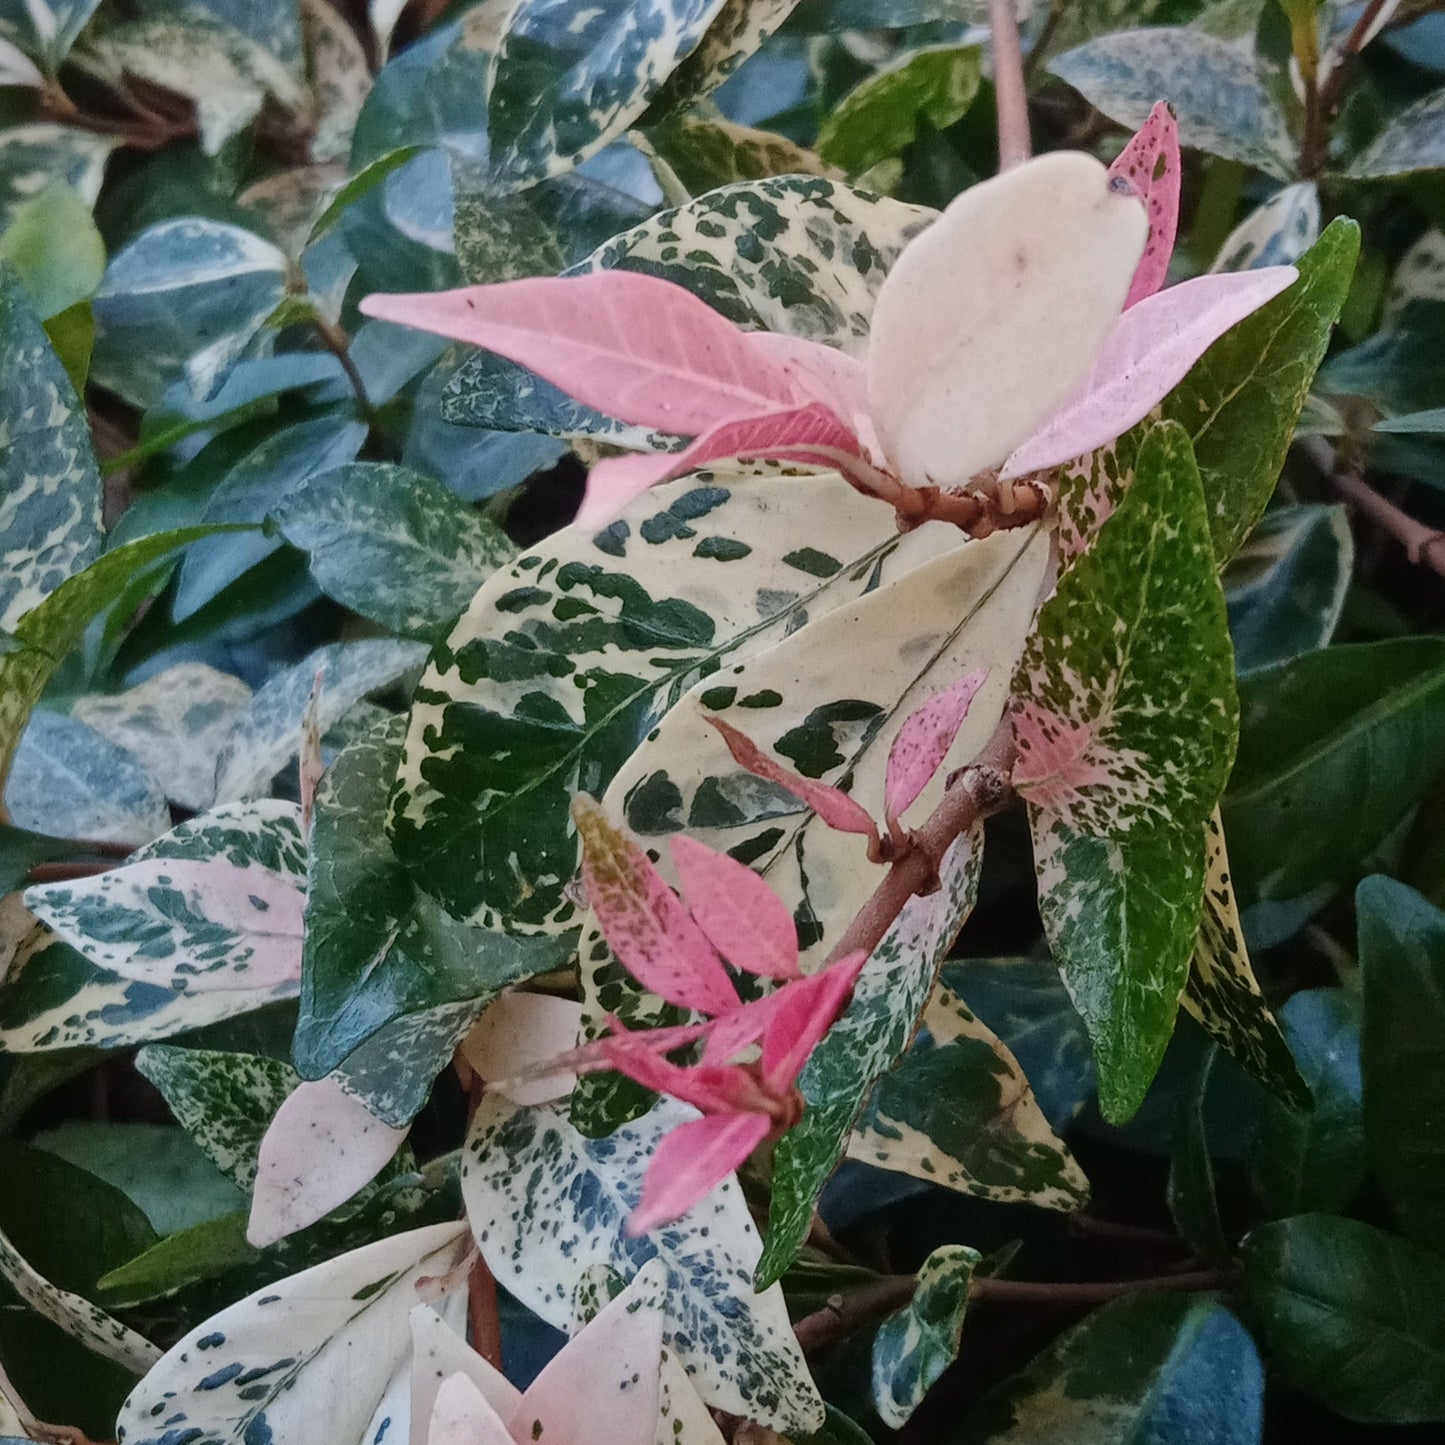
(214, 904)
(175, 723)
(49, 481)
(1219, 95)
(958, 1111)
(45, 29)
(567, 81)
(1414, 140)
(739, 28)
(267, 736)
(393, 545)
(285, 1364)
(967, 610)
(187, 298)
(69, 781)
(569, 657)
(917, 1344)
(705, 152)
(36, 155)
(547, 1206)
(1277, 233)
(879, 118)
(1223, 994)
(340, 78)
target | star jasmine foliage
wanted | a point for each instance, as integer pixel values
(719, 723)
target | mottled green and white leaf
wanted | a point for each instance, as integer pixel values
(1414, 140)
(1276, 233)
(705, 152)
(39, 154)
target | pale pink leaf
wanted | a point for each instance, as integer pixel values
(1150, 163)
(517, 1038)
(461, 1415)
(438, 1353)
(797, 1027)
(832, 805)
(743, 918)
(644, 921)
(691, 1162)
(636, 347)
(807, 435)
(1148, 354)
(711, 1088)
(821, 373)
(322, 1146)
(924, 740)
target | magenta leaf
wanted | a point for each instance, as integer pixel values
(924, 740)
(692, 1161)
(644, 921)
(1151, 165)
(797, 1026)
(1147, 355)
(810, 434)
(743, 918)
(832, 805)
(633, 346)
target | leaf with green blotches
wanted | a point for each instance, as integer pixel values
(738, 29)
(37, 155)
(704, 153)
(1413, 140)
(914, 1346)
(1402, 1049)
(1335, 747)
(1149, 1369)
(1218, 93)
(1350, 1315)
(46, 29)
(1301, 1160)
(49, 483)
(879, 118)
(393, 545)
(1276, 233)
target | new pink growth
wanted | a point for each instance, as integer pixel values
(924, 740)
(1150, 163)
(743, 918)
(1053, 761)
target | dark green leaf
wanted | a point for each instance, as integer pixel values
(1193, 1204)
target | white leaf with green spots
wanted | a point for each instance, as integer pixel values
(49, 482)
(1414, 140)
(568, 658)
(393, 545)
(1219, 94)
(305, 1359)
(958, 1111)
(45, 29)
(705, 152)
(737, 30)
(214, 904)
(175, 723)
(1276, 233)
(36, 155)
(547, 1206)
(267, 736)
(917, 1344)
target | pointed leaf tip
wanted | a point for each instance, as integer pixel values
(924, 740)
(744, 919)
(1150, 162)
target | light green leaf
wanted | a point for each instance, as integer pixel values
(917, 1344)
(175, 724)
(1302, 1160)
(1218, 93)
(596, 637)
(1149, 1369)
(49, 483)
(1402, 1049)
(53, 245)
(879, 118)
(393, 545)
(1335, 747)
(1413, 140)
(527, 1165)
(1351, 1315)
(39, 154)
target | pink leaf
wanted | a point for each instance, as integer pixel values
(1148, 354)
(832, 805)
(437, 1354)
(797, 1027)
(644, 921)
(1151, 165)
(323, 1145)
(924, 740)
(462, 1416)
(810, 435)
(633, 346)
(692, 1161)
(743, 918)
(518, 1040)
(711, 1088)
(821, 373)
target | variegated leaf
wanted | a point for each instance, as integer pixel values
(568, 658)
(547, 1206)
(1413, 140)
(704, 153)
(267, 736)
(214, 904)
(967, 610)
(39, 154)
(1420, 276)
(739, 28)
(1277, 233)
(49, 481)
(305, 1359)
(958, 1111)
(46, 29)
(340, 78)
(917, 1344)
(175, 723)
(1223, 993)
(566, 81)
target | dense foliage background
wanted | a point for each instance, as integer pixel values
(194, 197)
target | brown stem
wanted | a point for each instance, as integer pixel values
(1328, 99)
(334, 339)
(482, 1317)
(1087, 1224)
(65, 872)
(1040, 47)
(1314, 147)
(1010, 92)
